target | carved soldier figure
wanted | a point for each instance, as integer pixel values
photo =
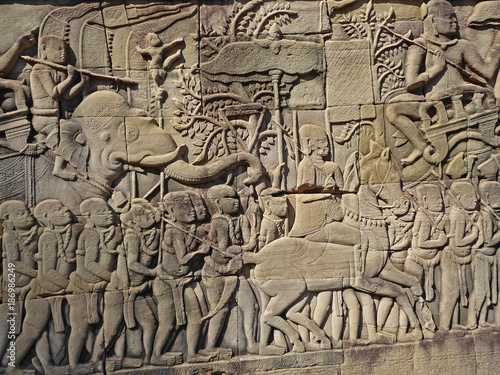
(429, 237)
(96, 260)
(48, 86)
(484, 259)
(275, 212)
(428, 67)
(20, 245)
(57, 255)
(400, 235)
(314, 170)
(457, 283)
(141, 243)
(175, 284)
(232, 234)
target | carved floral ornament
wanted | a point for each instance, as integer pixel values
(208, 186)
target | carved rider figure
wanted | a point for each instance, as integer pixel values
(314, 170)
(431, 69)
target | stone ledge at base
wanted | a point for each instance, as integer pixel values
(457, 353)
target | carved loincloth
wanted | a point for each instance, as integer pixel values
(428, 265)
(486, 267)
(129, 297)
(462, 263)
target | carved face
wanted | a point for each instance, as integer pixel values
(143, 216)
(59, 215)
(199, 207)
(184, 211)
(278, 206)
(401, 206)
(54, 50)
(229, 205)
(433, 200)
(21, 217)
(318, 144)
(102, 216)
(446, 21)
(468, 200)
(494, 197)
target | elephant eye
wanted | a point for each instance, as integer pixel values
(132, 132)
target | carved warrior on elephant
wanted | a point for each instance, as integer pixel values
(448, 93)
(107, 137)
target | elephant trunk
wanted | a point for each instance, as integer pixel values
(183, 172)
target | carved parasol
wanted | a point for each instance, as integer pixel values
(273, 59)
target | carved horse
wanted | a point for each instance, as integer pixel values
(288, 268)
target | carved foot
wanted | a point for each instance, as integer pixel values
(218, 354)
(417, 290)
(271, 350)
(65, 175)
(337, 344)
(199, 358)
(414, 335)
(382, 338)
(428, 334)
(485, 325)
(113, 364)
(167, 359)
(412, 158)
(298, 347)
(83, 369)
(132, 362)
(253, 348)
(312, 346)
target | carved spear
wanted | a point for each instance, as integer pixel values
(63, 68)
(469, 75)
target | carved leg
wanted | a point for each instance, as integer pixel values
(147, 321)
(35, 321)
(290, 291)
(193, 327)
(304, 321)
(247, 303)
(111, 326)
(265, 332)
(214, 288)
(402, 116)
(4, 329)
(354, 313)
(449, 294)
(369, 316)
(166, 321)
(392, 274)
(78, 320)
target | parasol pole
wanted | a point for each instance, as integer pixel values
(276, 76)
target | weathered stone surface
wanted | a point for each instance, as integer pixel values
(255, 187)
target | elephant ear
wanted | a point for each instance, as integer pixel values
(73, 145)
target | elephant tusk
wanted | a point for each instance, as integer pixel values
(145, 159)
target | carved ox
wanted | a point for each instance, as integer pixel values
(107, 137)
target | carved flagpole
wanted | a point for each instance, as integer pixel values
(276, 75)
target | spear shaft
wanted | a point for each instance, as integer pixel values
(33, 61)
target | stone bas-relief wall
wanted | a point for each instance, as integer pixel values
(256, 187)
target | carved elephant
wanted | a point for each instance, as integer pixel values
(106, 137)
